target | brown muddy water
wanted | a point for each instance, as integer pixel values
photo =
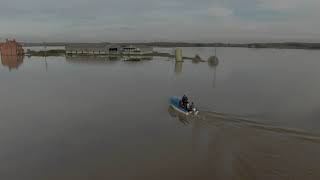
(96, 118)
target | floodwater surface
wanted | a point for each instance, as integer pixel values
(105, 118)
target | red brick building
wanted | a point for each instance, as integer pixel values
(11, 48)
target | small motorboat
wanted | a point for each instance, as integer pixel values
(175, 103)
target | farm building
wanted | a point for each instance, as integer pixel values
(132, 49)
(86, 49)
(11, 48)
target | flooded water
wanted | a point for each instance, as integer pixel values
(104, 118)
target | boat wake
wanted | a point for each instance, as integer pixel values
(247, 148)
(210, 118)
(215, 118)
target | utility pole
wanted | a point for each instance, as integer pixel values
(45, 56)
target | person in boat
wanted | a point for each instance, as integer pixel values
(184, 102)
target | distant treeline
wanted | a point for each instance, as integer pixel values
(285, 45)
(53, 52)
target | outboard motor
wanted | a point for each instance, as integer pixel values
(193, 109)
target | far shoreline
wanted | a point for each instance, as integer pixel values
(282, 45)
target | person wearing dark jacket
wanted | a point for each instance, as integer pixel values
(184, 102)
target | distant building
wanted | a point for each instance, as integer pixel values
(113, 49)
(86, 49)
(11, 48)
(106, 49)
(133, 49)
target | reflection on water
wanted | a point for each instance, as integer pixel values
(92, 60)
(105, 59)
(12, 62)
(137, 58)
(46, 63)
(214, 83)
(178, 67)
(213, 61)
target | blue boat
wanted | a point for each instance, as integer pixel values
(175, 103)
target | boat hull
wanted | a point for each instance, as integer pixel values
(175, 104)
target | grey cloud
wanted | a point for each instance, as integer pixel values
(148, 20)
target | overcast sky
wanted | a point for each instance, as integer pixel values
(161, 20)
